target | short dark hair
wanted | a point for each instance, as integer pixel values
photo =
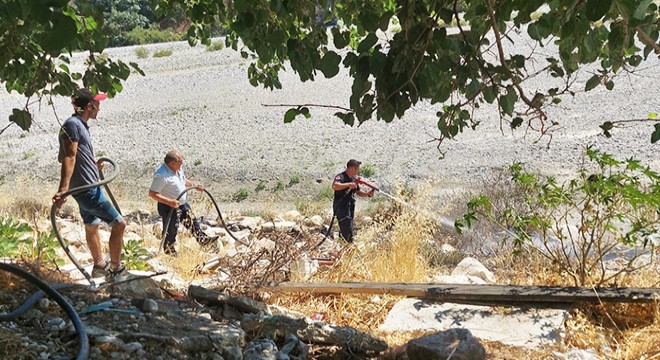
(84, 96)
(353, 162)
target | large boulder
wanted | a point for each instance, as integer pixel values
(455, 344)
(472, 267)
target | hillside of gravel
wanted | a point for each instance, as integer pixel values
(201, 102)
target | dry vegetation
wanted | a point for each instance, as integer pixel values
(401, 246)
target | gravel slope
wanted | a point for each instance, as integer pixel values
(201, 102)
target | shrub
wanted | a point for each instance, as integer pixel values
(279, 186)
(578, 224)
(15, 242)
(142, 53)
(261, 185)
(295, 179)
(367, 170)
(162, 53)
(216, 45)
(141, 36)
(133, 255)
(197, 162)
(241, 194)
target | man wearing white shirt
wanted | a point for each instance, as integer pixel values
(168, 183)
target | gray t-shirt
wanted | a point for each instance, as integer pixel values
(85, 171)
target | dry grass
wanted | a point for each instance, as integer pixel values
(189, 258)
(384, 252)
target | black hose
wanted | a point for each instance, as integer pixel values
(77, 190)
(83, 353)
(169, 218)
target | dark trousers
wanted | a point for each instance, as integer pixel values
(184, 215)
(345, 214)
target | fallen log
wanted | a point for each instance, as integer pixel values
(479, 294)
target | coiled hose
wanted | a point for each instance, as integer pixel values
(83, 352)
(77, 190)
(215, 204)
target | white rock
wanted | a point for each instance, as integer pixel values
(457, 279)
(315, 220)
(471, 266)
(577, 354)
(518, 327)
(291, 215)
(367, 220)
(250, 222)
(303, 268)
(446, 248)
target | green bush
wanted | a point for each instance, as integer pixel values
(163, 53)
(279, 186)
(142, 53)
(367, 170)
(295, 179)
(261, 185)
(216, 45)
(197, 162)
(141, 36)
(241, 194)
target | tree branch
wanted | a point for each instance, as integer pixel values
(5, 128)
(309, 105)
(647, 39)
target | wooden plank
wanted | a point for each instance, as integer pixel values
(474, 294)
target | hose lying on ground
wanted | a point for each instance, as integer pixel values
(83, 353)
(77, 190)
(222, 220)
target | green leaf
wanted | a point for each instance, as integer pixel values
(22, 118)
(516, 122)
(340, 39)
(592, 83)
(508, 101)
(606, 126)
(640, 12)
(596, 9)
(656, 134)
(653, 116)
(367, 43)
(330, 64)
(290, 115)
(62, 34)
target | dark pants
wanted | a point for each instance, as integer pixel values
(184, 215)
(345, 213)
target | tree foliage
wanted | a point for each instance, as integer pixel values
(451, 53)
(608, 210)
(37, 40)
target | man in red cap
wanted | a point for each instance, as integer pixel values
(80, 168)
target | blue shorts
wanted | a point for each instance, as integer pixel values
(94, 207)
